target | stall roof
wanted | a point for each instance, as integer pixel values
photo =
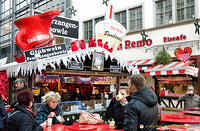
(173, 68)
(14, 68)
(143, 64)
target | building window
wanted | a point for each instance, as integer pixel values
(185, 9)
(88, 29)
(98, 20)
(163, 12)
(121, 18)
(135, 19)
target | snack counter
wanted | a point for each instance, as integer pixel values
(170, 88)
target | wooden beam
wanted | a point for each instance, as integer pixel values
(90, 73)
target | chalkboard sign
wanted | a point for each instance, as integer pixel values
(115, 69)
(75, 65)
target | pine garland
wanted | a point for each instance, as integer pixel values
(163, 57)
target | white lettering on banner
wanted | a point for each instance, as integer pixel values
(65, 24)
(38, 38)
(39, 51)
(60, 31)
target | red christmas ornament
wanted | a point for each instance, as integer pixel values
(34, 31)
(19, 59)
(74, 46)
(99, 41)
(82, 44)
(91, 42)
(183, 55)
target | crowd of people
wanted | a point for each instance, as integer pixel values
(136, 109)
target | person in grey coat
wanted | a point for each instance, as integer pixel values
(141, 113)
(190, 99)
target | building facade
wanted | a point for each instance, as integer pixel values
(10, 10)
(169, 24)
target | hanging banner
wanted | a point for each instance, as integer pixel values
(45, 52)
(63, 27)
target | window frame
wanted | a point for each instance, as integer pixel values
(164, 12)
(136, 18)
(185, 11)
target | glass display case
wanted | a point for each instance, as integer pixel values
(72, 109)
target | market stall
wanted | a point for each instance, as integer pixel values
(171, 81)
(74, 69)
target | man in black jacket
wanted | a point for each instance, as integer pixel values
(141, 113)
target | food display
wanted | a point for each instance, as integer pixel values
(173, 85)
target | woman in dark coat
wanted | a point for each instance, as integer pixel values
(116, 108)
(50, 108)
(23, 118)
(3, 114)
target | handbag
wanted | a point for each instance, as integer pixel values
(89, 118)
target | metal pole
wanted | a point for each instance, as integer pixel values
(12, 49)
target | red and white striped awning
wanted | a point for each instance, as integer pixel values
(143, 64)
(173, 68)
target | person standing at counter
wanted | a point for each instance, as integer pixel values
(19, 85)
(116, 108)
(190, 99)
(77, 96)
(49, 108)
(142, 111)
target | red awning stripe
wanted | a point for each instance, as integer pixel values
(176, 67)
(175, 64)
(188, 63)
(142, 62)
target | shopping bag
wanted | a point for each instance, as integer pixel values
(89, 118)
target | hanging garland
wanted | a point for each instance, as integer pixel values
(4, 83)
(163, 57)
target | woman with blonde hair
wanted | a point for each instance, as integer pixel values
(50, 108)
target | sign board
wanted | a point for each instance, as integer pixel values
(75, 65)
(192, 71)
(45, 52)
(115, 69)
(64, 27)
(3, 61)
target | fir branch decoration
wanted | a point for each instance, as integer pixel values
(163, 57)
